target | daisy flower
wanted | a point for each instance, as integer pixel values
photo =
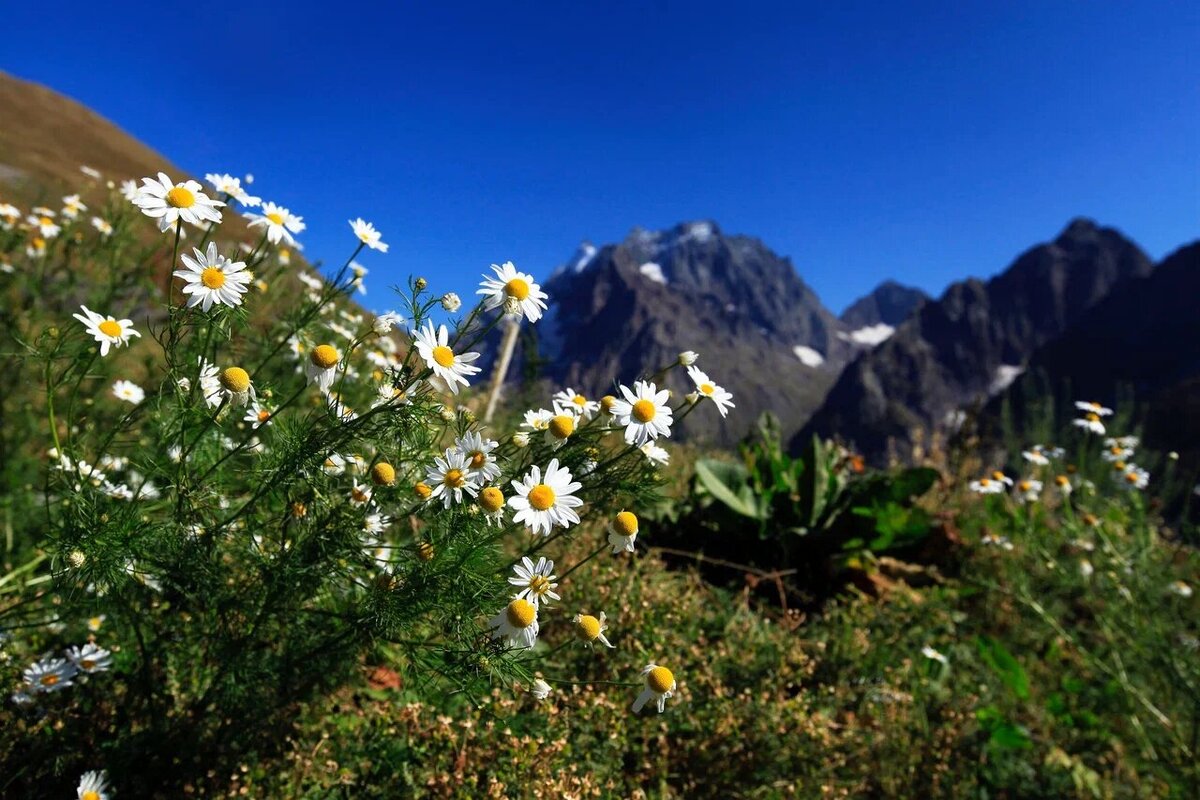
(986, 486)
(210, 383)
(49, 675)
(333, 464)
(360, 494)
(643, 413)
(360, 272)
(660, 685)
(543, 503)
(1090, 423)
(934, 655)
(229, 185)
(1036, 456)
(213, 278)
(1134, 477)
(92, 786)
(538, 420)
(10, 215)
(383, 474)
(257, 415)
(994, 540)
(128, 391)
(384, 323)
(540, 689)
(478, 451)
(108, 331)
(451, 368)
(1028, 490)
(687, 358)
(367, 234)
(704, 385)
(591, 629)
(517, 624)
(516, 291)
(72, 205)
(622, 532)
(451, 302)
(1063, 484)
(95, 623)
(1115, 451)
(171, 202)
(535, 580)
(576, 403)
(45, 224)
(236, 386)
(450, 476)
(491, 500)
(280, 223)
(1180, 589)
(103, 226)
(90, 658)
(1093, 408)
(559, 429)
(322, 366)
(656, 454)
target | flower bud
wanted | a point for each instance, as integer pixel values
(687, 358)
(451, 302)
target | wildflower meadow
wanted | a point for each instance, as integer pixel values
(259, 541)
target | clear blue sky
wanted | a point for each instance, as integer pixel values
(923, 142)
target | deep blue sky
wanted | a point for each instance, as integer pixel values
(923, 142)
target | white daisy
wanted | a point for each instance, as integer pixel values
(72, 205)
(384, 323)
(322, 366)
(279, 223)
(543, 503)
(450, 476)
(540, 689)
(536, 581)
(1091, 423)
(559, 429)
(44, 223)
(451, 302)
(622, 532)
(90, 658)
(1028, 490)
(128, 391)
(213, 278)
(367, 234)
(538, 420)
(1093, 408)
(450, 367)
(644, 413)
(236, 386)
(704, 385)
(986, 486)
(995, 540)
(478, 452)
(93, 786)
(1115, 451)
(656, 454)
(1134, 477)
(491, 501)
(108, 331)
(591, 629)
(934, 655)
(210, 383)
(258, 415)
(1180, 589)
(360, 494)
(687, 358)
(516, 291)
(129, 190)
(333, 464)
(171, 202)
(1063, 484)
(660, 686)
(103, 226)
(227, 184)
(571, 400)
(49, 675)
(517, 624)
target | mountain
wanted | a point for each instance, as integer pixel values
(626, 309)
(1144, 342)
(872, 318)
(973, 341)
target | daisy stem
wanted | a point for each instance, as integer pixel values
(242, 445)
(171, 266)
(595, 553)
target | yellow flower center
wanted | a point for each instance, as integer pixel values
(1118, 465)
(1026, 486)
(541, 497)
(90, 795)
(478, 459)
(45, 221)
(643, 410)
(1131, 477)
(562, 426)
(606, 403)
(110, 327)
(422, 490)
(359, 495)
(1062, 480)
(87, 663)
(264, 415)
(425, 551)
(1093, 417)
(517, 288)
(49, 680)
(539, 584)
(383, 474)
(589, 627)
(998, 475)
(324, 356)
(626, 523)
(521, 613)
(235, 379)
(94, 623)
(707, 388)
(212, 277)
(1115, 450)
(579, 400)
(660, 680)
(443, 355)
(275, 217)
(491, 499)
(454, 479)
(181, 197)
(984, 482)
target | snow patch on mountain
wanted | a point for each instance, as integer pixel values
(653, 272)
(870, 336)
(808, 356)
(1004, 376)
(583, 257)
